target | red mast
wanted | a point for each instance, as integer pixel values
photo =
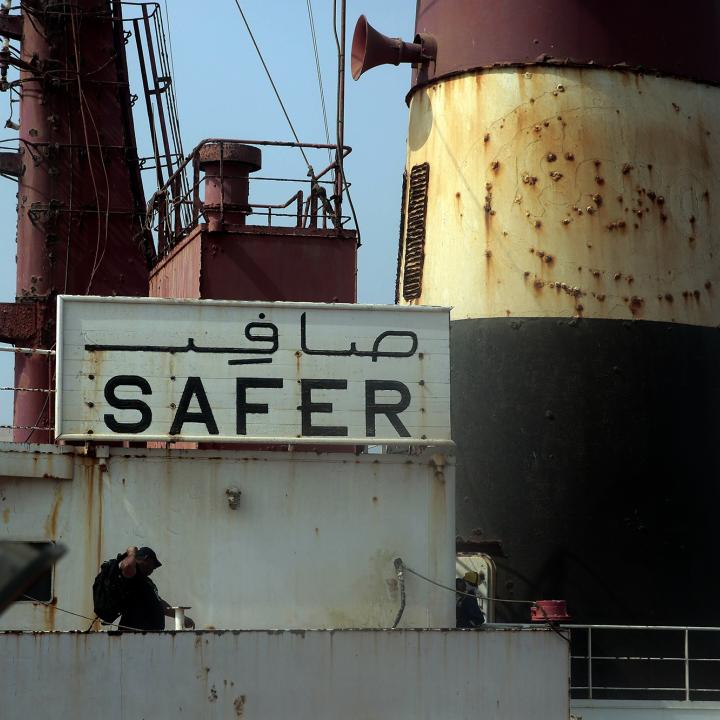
(81, 209)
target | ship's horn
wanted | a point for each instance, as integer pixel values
(371, 48)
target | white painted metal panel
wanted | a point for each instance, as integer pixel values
(155, 369)
(310, 544)
(403, 675)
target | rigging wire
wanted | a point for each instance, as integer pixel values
(311, 19)
(400, 566)
(167, 60)
(274, 87)
(89, 156)
(68, 241)
(84, 617)
(167, 66)
(341, 168)
(460, 592)
(30, 13)
(107, 190)
(169, 32)
(36, 425)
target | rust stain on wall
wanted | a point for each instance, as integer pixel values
(50, 613)
(568, 181)
(92, 551)
(89, 504)
(100, 519)
(51, 522)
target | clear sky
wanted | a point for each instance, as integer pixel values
(222, 91)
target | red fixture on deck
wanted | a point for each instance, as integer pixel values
(543, 611)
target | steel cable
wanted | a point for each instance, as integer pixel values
(460, 592)
(167, 65)
(84, 617)
(341, 170)
(311, 19)
(274, 87)
(81, 97)
(399, 567)
(550, 623)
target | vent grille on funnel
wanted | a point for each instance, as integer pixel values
(401, 238)
(415, 238)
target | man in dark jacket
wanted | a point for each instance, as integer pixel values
(143, 608)
(467, 610)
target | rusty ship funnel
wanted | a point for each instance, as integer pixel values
(561, 193)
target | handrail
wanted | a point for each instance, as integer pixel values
(29, 351)
(176, 207)
(16, 389)
(575, 626)
(632, 659)
(265, 143)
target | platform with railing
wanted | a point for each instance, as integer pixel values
(216, 184)
(645, 662)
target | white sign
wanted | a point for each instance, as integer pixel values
(223, 371)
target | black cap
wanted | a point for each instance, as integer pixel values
(146, 552)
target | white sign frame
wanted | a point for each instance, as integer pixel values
(400, 355)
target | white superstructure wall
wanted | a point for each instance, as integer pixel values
(310, 543)
(318, 675)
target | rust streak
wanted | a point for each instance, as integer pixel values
(50, 613)
(51, 522)
(100, 520)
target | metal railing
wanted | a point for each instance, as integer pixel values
(15, 389)
(177, 207)
(643, 662)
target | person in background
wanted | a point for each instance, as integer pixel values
(143, 608)
(467, 610)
